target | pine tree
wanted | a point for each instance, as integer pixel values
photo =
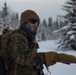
(68, 40)
(10, 19)
(70, 7)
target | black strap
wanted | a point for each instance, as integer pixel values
(0, 42)
(2, 67)
(40, 70)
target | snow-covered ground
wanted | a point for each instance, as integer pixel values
(58, 68)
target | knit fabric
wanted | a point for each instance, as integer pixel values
(28, 14)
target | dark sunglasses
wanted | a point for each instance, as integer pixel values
(33, 21)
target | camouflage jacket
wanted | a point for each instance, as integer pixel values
(22, 59)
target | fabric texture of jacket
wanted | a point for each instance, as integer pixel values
(23, 59)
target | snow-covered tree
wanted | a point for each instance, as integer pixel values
(70, 7)
(8, 18)
(68, 37)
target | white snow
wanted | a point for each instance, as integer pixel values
(58, 68)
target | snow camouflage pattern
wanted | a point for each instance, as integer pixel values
(19, 55)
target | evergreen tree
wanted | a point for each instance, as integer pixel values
(8, 19)
(44, 22)
(68, 40)
(70, 7)
(5, 16)
(50, 22)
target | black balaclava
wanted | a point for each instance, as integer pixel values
(31, 32)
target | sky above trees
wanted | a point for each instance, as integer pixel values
(44, 8)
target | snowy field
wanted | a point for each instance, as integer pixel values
(59, 68)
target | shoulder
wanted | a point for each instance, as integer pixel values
(19, 36)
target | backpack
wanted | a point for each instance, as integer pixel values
(4, 37)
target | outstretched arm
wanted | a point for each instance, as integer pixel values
(49, 58)
(53, 57)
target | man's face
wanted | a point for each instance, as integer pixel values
(33, 23)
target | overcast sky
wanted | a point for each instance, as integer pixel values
(44, 8)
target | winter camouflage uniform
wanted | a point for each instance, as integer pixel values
(19, 55)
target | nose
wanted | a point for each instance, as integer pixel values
(36, 25)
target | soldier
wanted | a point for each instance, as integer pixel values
(22, 49)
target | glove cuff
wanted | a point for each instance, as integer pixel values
(51, 58)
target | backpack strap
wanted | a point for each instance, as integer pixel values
(20, 32)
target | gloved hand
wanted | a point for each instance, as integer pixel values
(65, 58)
(53, 57)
